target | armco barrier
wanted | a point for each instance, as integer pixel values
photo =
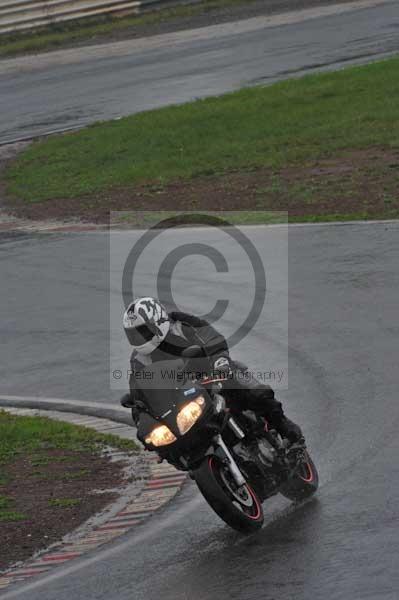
(18, 15)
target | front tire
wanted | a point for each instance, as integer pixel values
(303, 483)
(239, 508)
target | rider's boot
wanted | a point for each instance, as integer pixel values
(288, 429)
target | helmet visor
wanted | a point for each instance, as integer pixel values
(139, 335)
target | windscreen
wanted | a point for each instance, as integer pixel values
(159, 384)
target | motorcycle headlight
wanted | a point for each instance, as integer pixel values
(160, 436)
(189, 414)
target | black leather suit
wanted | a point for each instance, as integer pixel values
(240, 392)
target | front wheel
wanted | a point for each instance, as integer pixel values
(303, 483)
(238, 507)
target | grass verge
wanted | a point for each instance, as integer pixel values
(52, 472)
(20, 436)
(302, 143)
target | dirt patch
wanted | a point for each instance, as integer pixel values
(363, 183)
(46, 495)
(7, 153)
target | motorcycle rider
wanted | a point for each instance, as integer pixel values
(156, 335)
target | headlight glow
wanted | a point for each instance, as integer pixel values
(160, 436)
(190, 414)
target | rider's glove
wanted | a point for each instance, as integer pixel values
(127, 400)
(222, 368)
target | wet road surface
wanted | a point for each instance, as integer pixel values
(343, 389)
(75, 87)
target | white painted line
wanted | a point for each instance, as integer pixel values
(268, 225)
(380, 222)
(394, 222)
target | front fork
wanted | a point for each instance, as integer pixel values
(222, 452)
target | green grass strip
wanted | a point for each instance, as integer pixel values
(22, 435)
(284, 124)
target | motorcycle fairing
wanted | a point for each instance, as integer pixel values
(158, 383)
(164, 390)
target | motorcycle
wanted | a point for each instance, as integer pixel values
(236, 460)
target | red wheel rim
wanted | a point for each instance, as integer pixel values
(309, 473)
(250, 491)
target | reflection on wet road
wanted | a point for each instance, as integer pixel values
(343, 389)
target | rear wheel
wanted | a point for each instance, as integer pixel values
(303, 483)
(239, 507)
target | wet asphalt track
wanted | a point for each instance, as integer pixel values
(76, 87)
(343, 388)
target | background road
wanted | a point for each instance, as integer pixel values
(76, 87)
(343, 388)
